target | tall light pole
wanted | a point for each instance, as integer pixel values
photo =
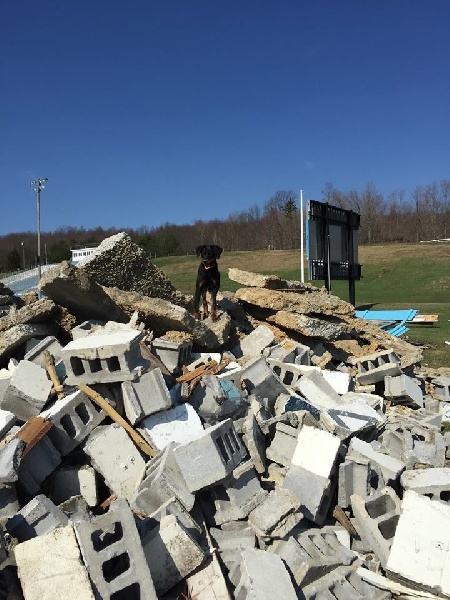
(302, 267)
(38, 185)
(23, 256)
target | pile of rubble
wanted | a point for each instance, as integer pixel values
(286, 450)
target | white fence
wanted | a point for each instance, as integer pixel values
(21, 275)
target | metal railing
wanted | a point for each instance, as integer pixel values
(21, 275)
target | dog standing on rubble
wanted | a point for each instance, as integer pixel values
(208, 279)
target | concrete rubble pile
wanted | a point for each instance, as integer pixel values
(287, 450)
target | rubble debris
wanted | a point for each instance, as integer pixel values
(287, 450)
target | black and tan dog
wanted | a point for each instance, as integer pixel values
(208, 279)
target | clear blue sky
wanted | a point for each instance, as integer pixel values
(142, 112)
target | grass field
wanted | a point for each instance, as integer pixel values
(394, 277)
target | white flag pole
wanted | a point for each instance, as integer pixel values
(302, 270)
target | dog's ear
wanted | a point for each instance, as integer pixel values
(199, 249)
(217, 250)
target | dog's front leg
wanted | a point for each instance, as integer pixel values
(205, 303)
(198, 293)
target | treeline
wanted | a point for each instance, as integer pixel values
(424, 214)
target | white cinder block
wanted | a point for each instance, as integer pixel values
(316, 451)
(420, 552)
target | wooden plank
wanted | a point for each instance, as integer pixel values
(425, 319)
(109, 410)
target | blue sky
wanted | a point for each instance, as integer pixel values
(153, 111)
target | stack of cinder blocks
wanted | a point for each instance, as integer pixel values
(273, 478)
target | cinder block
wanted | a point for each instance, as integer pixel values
(316, 389)
(420, 549)
(210, 457)
(316, 451)
(255, 442)
(283, 445)
(180, 424)
(402, 389)
(37, 465)
(289, 351)
(313, 491)
(340, 381)
(390, 467)
(258, 575)
(110, 353)
(260, 380)
(171, 554)
(354, 478)
(373, 368)
(28, 390)
(413, 444)
(276, 515)
(289, 373)
(212, 400)
(255, 342)
(172, 354)
(313, 554)
(85, 328)
(54, 558)
(177, 509)
(343, 583)
(162, 482)
(73, 418)
(115, 456)
(239, 494)
(146, 396)
(228, 541)
(350, 419)
(36, 354)
(442, 388)
(113, 554)
(39, 517)
(376, 520)
(434, 483)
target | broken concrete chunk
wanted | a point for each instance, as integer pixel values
(56, 557)
(171, 554)
(28, 391)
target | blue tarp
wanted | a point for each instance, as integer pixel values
(395, 319)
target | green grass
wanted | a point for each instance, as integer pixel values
(394, 277)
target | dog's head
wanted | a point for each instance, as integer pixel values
(209, 253)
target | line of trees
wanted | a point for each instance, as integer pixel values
(424, 214)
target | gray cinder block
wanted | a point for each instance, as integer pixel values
(28, 390)
(376, 520)
(38, 517)
(113, 553)
(276, 515)
(162, 482)
(146, 396)
(210, 457)
(115, 456)
(73, 418)
(171, 554)
(258, 575)
(110, 353)
(172, 354)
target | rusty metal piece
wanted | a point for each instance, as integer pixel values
(33, 431)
